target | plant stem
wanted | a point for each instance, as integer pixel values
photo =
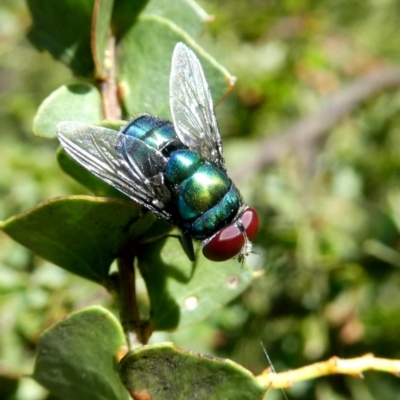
(136, 331)
(108, 86)
(105, 66)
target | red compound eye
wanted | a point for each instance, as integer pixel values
(250, 222)
(228, 242)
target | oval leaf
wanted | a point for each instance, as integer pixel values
(78, 357)
(81, 234)
(78, 102)
(146, 52)
(166, 372)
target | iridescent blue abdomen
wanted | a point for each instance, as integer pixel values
(204, 199)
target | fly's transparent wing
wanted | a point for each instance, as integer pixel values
(192, 107)
(122, 161)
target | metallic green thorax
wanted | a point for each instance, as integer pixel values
(201, 185)
(204, 199)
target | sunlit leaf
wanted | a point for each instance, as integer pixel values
(79, 233)
(177, 374)
(78, 357)
(77, 102)
(146, 52)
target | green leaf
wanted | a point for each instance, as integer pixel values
(78, 102)
(183, 293)
(159, 230)
(8, 385)
(186, 14)
(166, 372)
(63, 28)
(101, 33)
(78, 357)
(125, 14)
(97, 186)
(79, 233)
(145, 54)
(113, 124)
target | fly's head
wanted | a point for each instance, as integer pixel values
(235, 239)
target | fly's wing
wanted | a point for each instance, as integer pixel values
(192, 107)
(124, 162)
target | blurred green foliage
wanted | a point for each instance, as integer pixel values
(330, 232)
